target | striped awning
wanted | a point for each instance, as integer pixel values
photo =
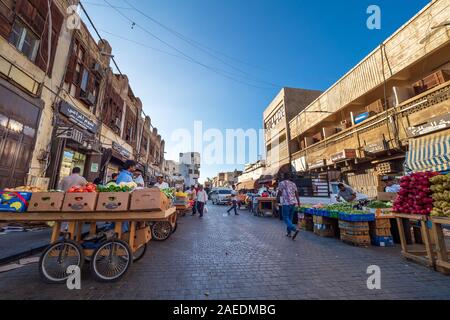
(429, 153)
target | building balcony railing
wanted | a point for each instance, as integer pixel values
(12, 73)
(398, 115)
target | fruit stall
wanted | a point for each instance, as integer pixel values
(424, 201)
(358, 224)
(133, 217)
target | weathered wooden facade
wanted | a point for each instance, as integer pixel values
(361, 124)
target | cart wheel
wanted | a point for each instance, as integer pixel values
(111, 261)
(140, 253)
(57, 258)
(175, 227)
(161, 230)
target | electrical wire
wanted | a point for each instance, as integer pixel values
(218, 71)
(193, 43)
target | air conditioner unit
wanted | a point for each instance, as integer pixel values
(88, 98)
(118, 123)
(97, 67)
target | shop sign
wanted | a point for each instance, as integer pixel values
(376, 147)
(94, 167)
(300, 164)
(123, 152)
(77, 117)
(435, 124)
(317, 164)
(343, 155)
(70, 133)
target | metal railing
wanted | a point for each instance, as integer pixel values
(16, 75)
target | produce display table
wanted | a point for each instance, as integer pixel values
(442, 261)
(110, 254)
(423, 254)
(266, 205)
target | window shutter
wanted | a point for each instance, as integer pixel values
(6, 19)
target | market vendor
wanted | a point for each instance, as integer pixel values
(161, 184)
(345, 193)
(138, 178)
(391, 185)
(126, 175)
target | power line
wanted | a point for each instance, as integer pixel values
(197, 45)
(98, 34)
(221, 72)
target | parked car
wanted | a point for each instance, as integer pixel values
(220, 196)
(334, 190)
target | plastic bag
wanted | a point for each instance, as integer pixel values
(206, 209)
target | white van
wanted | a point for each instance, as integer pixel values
(220, 196)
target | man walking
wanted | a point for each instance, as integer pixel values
(202, 199)
(234, 201)
(193, 194)
(289, 197)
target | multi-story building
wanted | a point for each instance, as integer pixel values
(190, 163)
(64, 107)
(226, 179)
(394, 104)
(252, 172)
(286, 105)
(32, 67)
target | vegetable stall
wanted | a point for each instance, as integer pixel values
(133, 217)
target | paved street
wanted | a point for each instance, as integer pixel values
(245, 257)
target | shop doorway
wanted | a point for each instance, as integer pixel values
(71, 159)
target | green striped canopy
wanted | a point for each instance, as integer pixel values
(429, 153)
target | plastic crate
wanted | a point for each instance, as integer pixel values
(14, 201)
(383, 241)
(356, 217)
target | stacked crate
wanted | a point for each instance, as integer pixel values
(380, 233)
(325, 227)
(368, 183)
(355, 233)
(307, 223)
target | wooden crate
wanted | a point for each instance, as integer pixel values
(325, 227)
(423, 254)
(360, 241)
(431, 81)
(307, 223)
(380, 228)
(442, 260)
(376, 107)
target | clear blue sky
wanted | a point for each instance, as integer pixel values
(294, 43)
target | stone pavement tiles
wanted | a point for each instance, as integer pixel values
(245, 257)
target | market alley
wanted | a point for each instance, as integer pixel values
(245, 257)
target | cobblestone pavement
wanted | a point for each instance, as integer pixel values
(245, 257)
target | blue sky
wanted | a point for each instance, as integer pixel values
(264, 43)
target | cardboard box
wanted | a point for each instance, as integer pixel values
(387, 196)
(149, 200)
(80, 202)
(46, 202)
(113, 201)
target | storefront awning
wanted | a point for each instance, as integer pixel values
(429, 153)
(246, 185)
(273, 173)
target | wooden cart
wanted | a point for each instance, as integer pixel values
(266, 205)
(442, 261)
(423, 254)
(182, 210)
(110, 253)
